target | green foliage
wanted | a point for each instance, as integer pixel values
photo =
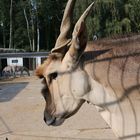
(109, 18)
(112, 17)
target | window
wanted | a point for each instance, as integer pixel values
(14, 61)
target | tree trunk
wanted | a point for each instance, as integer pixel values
(11, 26)
(33, 25)
(33, 35)
(38, 39)
(3, 32)
(38, 33)
(27, 23)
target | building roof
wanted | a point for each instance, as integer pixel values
(24, 55)
(8, 53)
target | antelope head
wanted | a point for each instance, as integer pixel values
(65, 81)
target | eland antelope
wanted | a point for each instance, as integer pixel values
(9, 71)
(105, 73)
(13, 70)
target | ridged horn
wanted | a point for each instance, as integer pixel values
(79, 36)
(82, 20)
(66, 24)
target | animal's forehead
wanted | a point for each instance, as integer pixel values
(53, 66)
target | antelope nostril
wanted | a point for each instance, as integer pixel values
(44, 119)
(51, 121)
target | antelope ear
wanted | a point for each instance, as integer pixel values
(39, 71)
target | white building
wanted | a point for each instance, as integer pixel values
(15, 61)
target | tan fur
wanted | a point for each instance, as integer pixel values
(52, 57)
(106, 74)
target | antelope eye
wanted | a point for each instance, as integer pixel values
(53, 76)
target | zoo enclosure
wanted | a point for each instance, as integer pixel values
(30, 59)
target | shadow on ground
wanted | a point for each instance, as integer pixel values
(10, 90)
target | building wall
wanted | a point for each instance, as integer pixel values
(15, 61)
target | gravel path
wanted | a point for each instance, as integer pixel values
(21, 116)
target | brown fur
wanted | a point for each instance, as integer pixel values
(120, 47)
(119, 40)
(114, 61)
(106, 73)
(52, 57)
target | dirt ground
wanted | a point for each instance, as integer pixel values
(21, 116)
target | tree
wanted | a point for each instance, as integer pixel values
(27, 23)
(11, 25)
(34, 25)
